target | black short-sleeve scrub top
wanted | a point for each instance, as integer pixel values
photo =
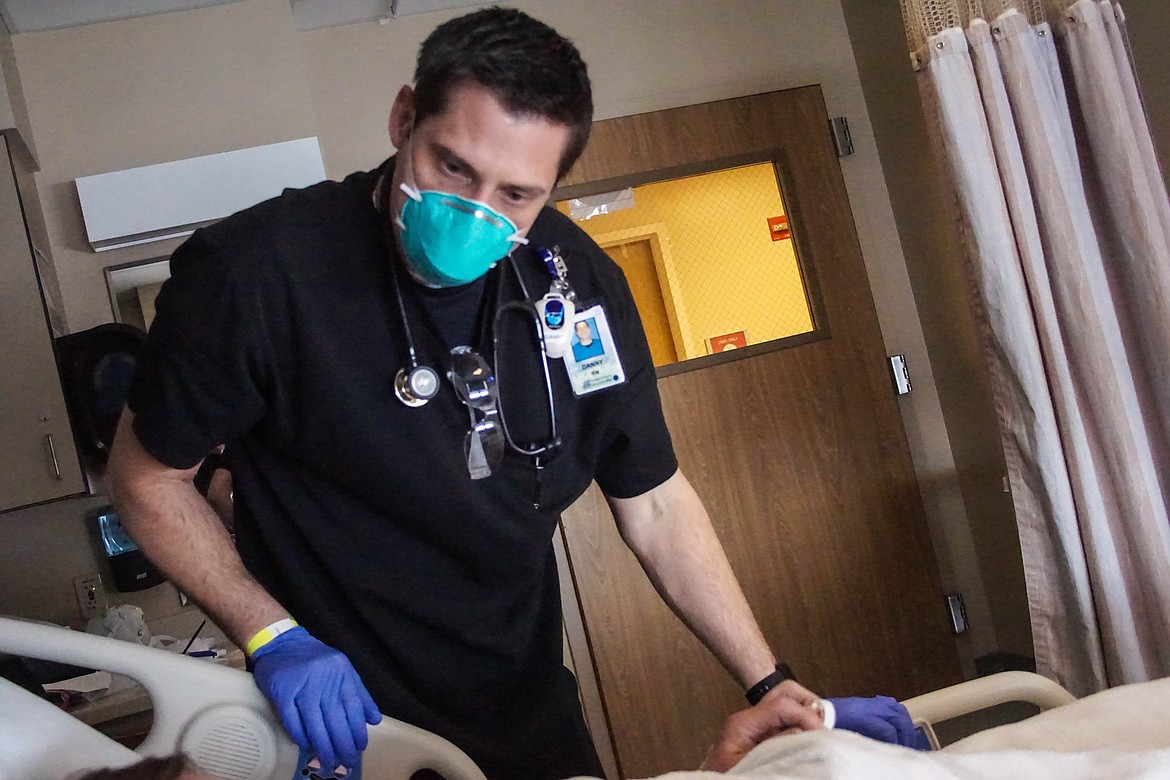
(278, 333)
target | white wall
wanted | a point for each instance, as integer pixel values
(938, 275)
(13, 94)
(47, 546)
(116, 95)
(7, 119)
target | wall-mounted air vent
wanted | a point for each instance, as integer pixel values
(172, 199)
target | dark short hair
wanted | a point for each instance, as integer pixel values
(165, 768)
(530, 68)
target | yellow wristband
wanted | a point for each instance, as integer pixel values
(268, 633)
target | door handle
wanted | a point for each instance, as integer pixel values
(53, 455)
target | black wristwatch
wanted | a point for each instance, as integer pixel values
(756, 692)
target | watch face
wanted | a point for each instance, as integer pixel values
(115, 540)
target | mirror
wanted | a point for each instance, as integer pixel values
(133, 288)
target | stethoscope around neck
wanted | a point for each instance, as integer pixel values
(416, 383)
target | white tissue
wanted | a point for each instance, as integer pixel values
(125, 622)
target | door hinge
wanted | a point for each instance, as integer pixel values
(958, 612)
(901, 373)
(839, 129)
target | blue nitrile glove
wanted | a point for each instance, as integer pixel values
(880, 718)
(320, 698)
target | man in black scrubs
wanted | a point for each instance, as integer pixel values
(393, 535)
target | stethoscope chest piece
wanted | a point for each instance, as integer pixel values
(416, 386)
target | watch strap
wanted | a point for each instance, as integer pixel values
(759, 690)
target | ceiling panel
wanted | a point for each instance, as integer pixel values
(22, 16)
(311, 14)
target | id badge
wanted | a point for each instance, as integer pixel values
(592, 358)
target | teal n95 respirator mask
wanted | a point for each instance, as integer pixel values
(450, 240)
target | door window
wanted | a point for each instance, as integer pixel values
(710, 259)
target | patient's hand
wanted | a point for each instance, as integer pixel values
(790, 707)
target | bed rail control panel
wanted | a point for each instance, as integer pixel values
(958, 612)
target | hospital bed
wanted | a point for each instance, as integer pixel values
(219, 718)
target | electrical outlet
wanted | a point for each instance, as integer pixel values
(91, 594)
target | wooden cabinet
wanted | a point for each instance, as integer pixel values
(38, 460)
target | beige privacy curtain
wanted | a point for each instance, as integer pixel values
(1066, 222)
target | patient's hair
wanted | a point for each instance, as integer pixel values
(167, 768)
(529, 67)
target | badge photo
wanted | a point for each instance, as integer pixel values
(592, 359)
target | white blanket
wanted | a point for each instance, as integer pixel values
(839, 755)
(836, 754)
(1119, 733)
(1130, 717)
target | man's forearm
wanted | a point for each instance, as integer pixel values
(671, 534)
(181, 534)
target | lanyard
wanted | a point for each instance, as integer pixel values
(558, 270)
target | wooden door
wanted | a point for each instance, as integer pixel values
(799, 454)
(636, 259)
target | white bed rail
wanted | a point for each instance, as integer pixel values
(982, 693)
(198, 708)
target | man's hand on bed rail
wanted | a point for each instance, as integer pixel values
(789, 707)
(320, 698)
